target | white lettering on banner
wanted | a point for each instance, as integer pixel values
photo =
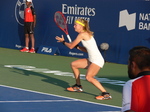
(77, 54)
(70, 19)
(86, 18)
(144, 17)
(57, 72)
(78, 12)
(75, 10)
(18, 46)
(144, 26)
(46, 49)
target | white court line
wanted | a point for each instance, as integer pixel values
(73, 99)
(36, 101)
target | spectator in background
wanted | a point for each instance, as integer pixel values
(136, 92)
(29, 24)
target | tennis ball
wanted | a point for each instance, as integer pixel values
(104, 46)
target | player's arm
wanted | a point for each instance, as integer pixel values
(81, 48)
(69, 45)
(34, 20)
(34, 15)
(73, 44)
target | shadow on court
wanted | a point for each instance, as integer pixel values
(47, 79)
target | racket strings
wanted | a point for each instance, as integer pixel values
(60, 21)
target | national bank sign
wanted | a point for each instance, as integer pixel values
(130, 20)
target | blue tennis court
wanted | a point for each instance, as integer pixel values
(21, 100)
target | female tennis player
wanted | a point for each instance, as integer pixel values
(94, 62)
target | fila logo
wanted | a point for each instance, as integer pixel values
(128, 20)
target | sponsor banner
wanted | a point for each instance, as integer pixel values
(124, 27)
(73, 53)
(134, 21)
(48, 50)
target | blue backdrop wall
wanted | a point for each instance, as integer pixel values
(122, 24)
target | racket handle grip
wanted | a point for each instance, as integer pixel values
(69, 38)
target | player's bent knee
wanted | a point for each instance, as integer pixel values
(89, 78)
(73, 64)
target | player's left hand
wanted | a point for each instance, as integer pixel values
(60, 39)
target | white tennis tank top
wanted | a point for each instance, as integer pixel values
(93, 52)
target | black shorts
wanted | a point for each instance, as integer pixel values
(29, 27)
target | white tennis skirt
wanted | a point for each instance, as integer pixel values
(98, 60)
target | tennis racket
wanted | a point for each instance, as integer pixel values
(60, 21)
